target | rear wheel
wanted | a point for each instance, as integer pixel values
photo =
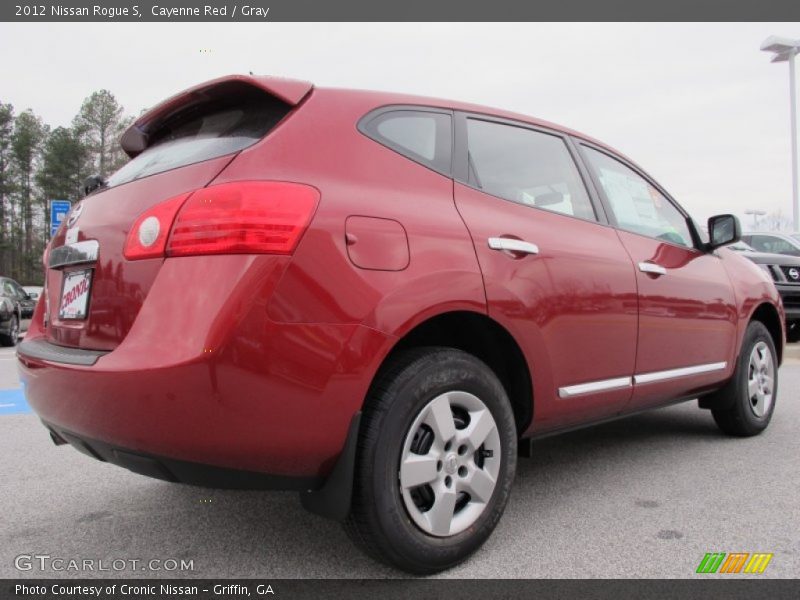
(436, 460)
(10, 338)
(793, 332)
(754, 387)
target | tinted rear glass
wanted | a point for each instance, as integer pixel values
(424, 136)
(200, 133)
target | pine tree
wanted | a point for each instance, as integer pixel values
(100, 124)
(6, 187)
(26, 141)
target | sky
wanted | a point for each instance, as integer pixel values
(698, 106)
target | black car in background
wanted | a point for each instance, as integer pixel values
(15, 306)
(785, 272)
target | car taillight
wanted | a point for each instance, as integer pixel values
(148, 236)
(251, 217)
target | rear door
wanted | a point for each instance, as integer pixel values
(687, 310)
(555, 274)
(93, 292)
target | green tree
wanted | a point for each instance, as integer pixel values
(26, 142)
(63, 166)
(100, 123)
(6, 187)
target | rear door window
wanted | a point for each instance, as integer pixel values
(637, 205)
(527, 167)
(423, 136)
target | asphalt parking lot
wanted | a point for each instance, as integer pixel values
(643, 497)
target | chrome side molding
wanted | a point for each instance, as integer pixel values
(595, 386)
(674, 373)
(617, 383)
(74, 254)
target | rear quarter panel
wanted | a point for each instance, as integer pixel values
(358, 177)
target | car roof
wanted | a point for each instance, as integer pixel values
(380, 98)
(293, 91)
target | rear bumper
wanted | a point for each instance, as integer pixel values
(179, 471)
(283, 411)
(212, 381)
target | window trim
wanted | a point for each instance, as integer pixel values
(697, 243)
(367, 126)
(461, 162)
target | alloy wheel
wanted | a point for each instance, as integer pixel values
(760, 379)
(450, 463)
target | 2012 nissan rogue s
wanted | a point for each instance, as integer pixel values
(373, 298)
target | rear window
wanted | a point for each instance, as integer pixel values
(205, 131)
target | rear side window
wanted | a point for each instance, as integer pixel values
(526, 166)
(205, 131)
(423, 136)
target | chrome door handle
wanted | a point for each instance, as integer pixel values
(510, 245)
(648, 267)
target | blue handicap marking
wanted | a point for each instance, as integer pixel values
(12, 402)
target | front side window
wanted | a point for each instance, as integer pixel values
(525, 166)
(424, 137)
(637, 205)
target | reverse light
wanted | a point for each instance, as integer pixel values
(250, 217)
(148, 236)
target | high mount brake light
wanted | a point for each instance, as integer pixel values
(250, 217)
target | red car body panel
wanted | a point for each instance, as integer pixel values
(566, 308)
(259, 362)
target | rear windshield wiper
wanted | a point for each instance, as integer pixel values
(93, 183)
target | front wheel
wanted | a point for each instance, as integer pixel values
(436, 460)
(754, 388)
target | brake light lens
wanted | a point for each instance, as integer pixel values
(250, 217)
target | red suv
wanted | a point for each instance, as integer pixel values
(376, 300)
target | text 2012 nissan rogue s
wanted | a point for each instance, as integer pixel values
(373, 298)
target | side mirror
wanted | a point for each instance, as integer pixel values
(723, 230)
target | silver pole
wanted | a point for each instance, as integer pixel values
(793, 100)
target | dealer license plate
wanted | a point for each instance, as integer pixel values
(75, 294)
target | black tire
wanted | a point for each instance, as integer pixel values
(10, 338)
(379, 521)
(793, 332)
(740, 418)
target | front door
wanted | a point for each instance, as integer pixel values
(687, 310)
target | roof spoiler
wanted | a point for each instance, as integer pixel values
(136, 138)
